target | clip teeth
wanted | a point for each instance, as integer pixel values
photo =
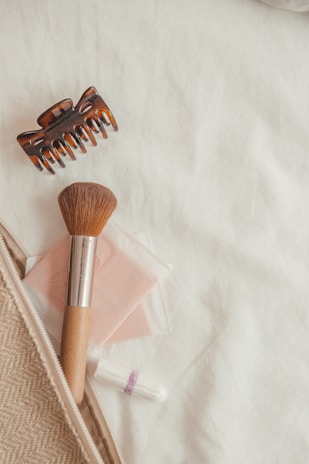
(70, 139)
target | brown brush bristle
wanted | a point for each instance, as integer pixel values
(86, 207)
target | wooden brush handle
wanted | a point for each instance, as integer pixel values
(74, 344)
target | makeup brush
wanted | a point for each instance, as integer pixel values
(85, 207)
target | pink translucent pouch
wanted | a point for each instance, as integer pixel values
(126, 299)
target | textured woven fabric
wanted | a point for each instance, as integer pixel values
(33, 427)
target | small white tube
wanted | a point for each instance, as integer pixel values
(129, 381)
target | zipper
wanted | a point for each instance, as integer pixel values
(52, 364)
(112, 454)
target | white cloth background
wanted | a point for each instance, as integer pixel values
(292, 5)
(212, 158)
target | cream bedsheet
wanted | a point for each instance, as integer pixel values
(211, 157)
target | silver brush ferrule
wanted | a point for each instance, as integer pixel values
(81, 270)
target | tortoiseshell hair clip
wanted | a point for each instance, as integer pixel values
(65, 127)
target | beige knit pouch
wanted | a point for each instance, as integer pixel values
(34, 427)
(39, 420)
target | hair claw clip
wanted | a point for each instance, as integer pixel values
(64, 127)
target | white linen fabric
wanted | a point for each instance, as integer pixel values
(300, 6)
(211, 157)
